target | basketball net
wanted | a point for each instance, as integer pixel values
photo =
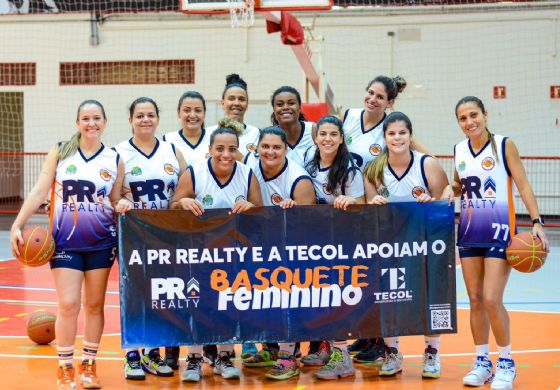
(242, 12)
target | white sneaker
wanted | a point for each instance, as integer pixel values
(193, 370)
(505, 374)
(225, 368)
(481, 373)
(393, 362)
(432, 366)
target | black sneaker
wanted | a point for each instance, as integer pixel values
(297, 350)
(373, 354)
(357, 346)
(172, 357)
(314, 347)
(210, 353)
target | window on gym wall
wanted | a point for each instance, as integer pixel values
(127, 72)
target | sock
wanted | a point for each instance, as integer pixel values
(392, 342)
(287, 348)
(505, 352)
(89, 350)
(341, 345)
(130, 350)
(65, 355)
(225, 349)
(431, 341)
(483, 350)
(195, 349)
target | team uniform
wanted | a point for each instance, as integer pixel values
(211, 193)
(364, 144)
(191, 153)
(296, 152)
(82, 218)
(149, 180)
(247, 141)
(354, 185)
(411, 184)
(282, 186)
(487, 212)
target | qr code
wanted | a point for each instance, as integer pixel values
(441, 319)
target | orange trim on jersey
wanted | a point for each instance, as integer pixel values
(511, 208)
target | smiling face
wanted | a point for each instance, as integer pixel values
(286, 108)
(376, 99)
(192, 113)
(272, 152)
(235, 103)
(144, 120)
(328, 140)
(223, 151)
(397, 138)
(91, 122)
(472, 119)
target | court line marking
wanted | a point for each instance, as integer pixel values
(519, 311)
(8, 259)
(79, 336)
(45, 303)
(7, 355)
(8, 287)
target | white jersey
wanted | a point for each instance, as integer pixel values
(487, 211)
(354, 185)
(297, 151)
(247, 141)
(149, 180)
(364, 144)
(211, 193)
(82, 217)
(410, 185)
(282, 186)
(191, 153)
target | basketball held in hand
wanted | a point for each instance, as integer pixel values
(525, 253)
(37, 248)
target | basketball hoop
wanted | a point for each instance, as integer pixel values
(242, 12)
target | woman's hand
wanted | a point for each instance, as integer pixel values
(15, 239)
(343, 201)
(241, 206)
(424, 198)
(538, 231)
(123, 205)
(287, 203)
(379, 200)
(448, 194)
(192, 205)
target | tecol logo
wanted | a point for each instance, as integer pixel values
(396, 277)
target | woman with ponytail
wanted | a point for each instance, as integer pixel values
(484, 233)
(85, 179)
(401, 174)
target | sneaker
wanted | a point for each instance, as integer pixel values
(505, 374)
(132, 367)
(393, 362)
(284, 368)
(248, 350)
(313, 346)
(172, 357)
(372, 354)
(154, 364)
(432, 366)
(320, 357)
(263, 358)
(225, 368)
(481, 373)
(193, 370)
(339, 366)
(210, 353)
(297, 352)
(66, 377)
(357, 346)
(88, 375)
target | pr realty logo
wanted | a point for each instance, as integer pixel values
(169, 293)
(393, 286)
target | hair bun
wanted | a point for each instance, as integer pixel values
(229, 123)
(234, 78)
(400, 82)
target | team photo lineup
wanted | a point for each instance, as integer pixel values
(365, 156)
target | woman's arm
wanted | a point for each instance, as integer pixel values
(254, 198)
(184, 197)
(304, 194)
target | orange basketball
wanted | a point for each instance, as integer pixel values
(40, 327)
(38, 246)
(525, 252)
